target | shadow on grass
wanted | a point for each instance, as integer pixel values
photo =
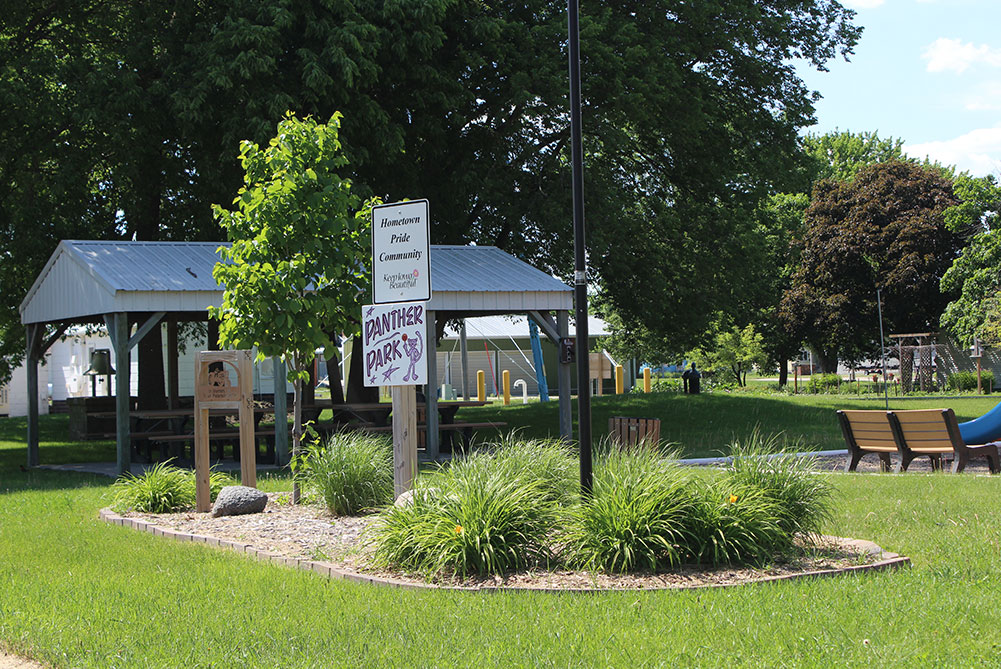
(54, 448)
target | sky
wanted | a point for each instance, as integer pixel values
(924, 71)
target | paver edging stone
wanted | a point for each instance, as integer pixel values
(889, 561)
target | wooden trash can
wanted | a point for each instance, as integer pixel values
(629, 431)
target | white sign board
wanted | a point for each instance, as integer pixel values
(401, 252)
(394, 344)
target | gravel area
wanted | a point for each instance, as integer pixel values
(8, 661)
(312, 533)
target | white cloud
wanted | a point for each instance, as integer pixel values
(978, 152)
(986, 97)
(952, 54)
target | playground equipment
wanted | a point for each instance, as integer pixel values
(983, 430)
(524, 390)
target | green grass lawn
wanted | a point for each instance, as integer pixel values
(77, 592)
(703, 425)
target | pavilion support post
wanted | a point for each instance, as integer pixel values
(281, 412)
(173, 382)
(566, 411)
(431, 397)
(120, 340)
(34, 338)
(464, 353)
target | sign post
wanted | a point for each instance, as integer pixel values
(394, 327)
(214, 389)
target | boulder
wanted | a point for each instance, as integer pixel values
(235, 500)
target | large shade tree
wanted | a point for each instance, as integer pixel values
(886, 228)
(691, 114)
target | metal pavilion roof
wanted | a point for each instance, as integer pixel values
(87, 278)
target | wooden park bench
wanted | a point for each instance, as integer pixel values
(931, 432)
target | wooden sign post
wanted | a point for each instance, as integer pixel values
(396, 339)
(215, 390)
(395, 354)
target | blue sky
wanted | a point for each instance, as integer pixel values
(925, 71)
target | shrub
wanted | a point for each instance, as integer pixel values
(635, 517)
(352, 472)
(823, 383)
(550, 461)
(803, 498)
(472, 517)
(734, 523)
(967, 381)
(162, 488)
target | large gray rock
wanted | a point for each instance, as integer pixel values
(235, 500)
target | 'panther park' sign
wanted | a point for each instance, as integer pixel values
(393, 343)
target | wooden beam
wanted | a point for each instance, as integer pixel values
(546, 323)
(122, 391)
(431, 397)
(47, 344)
(173, 379)
(464, 353)
(144, 329)
(33, 337)
(566, 412)
(404, 438)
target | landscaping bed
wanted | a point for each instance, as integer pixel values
(310, 534)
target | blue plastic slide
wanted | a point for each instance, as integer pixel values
(983, 430)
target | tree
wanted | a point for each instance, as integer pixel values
(840, 155)
(885, 228)
(298, 266)
(973, 277)
(736, 350)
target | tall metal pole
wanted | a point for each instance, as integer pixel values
(580, 255)
(882, 349)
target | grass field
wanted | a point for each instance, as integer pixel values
(77, 592)
(703, 425)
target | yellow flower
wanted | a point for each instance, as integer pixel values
(733, 499)
(458, 529)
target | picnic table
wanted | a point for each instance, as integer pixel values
(447, 423)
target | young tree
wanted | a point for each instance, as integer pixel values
(298, 264)
(736, 351)
(885, 228)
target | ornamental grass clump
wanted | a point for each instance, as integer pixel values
(638, 515)
(473, 517)
(735, 524)
(351, 471)
(802, 496)
(162, 488)
(552, 462)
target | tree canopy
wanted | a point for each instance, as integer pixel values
(123, 118)
(884, 229)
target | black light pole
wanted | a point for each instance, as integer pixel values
(580, 257)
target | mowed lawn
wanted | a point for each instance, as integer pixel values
(704, 425)
(77, 592)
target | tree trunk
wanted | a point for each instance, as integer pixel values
(152, 392)
(783, 372)
(358, 392)
(334, 376)
(828, 361)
